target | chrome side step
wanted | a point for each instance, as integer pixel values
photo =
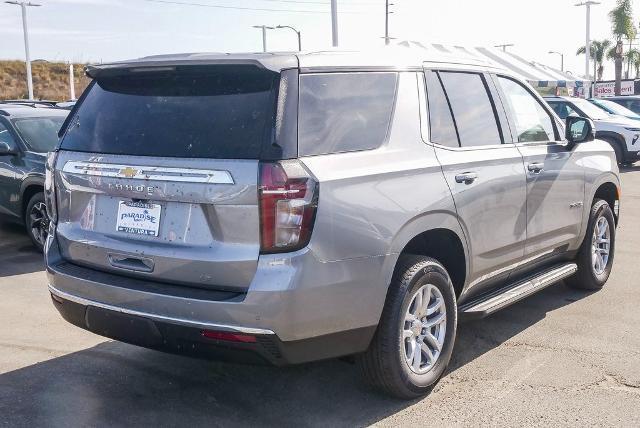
(512, 293)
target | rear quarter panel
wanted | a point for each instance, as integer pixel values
(372, 203)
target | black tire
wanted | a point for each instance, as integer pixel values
(617, 149)
(36, 220)
(384, 365)
(587, 278)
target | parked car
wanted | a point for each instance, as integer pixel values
(296, 207)
(26, 135)
(614, 108)
(632, 102)
(621, 133)
(66, 105)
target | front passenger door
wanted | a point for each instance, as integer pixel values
(555, 181)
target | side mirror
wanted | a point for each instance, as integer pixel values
(580, 130)
(5, 149)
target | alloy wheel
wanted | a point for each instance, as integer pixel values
(424, 329)
(600, 245)
(39, 223)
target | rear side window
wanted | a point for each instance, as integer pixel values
(532, 122)
(441, 126)
(214, 112)
(472, 108)
(342, 112)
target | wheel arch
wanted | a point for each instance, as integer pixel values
(616, 138)
(437, 235)
(29, 187)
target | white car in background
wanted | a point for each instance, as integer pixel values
(622, 133)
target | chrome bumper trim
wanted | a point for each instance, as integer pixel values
(161, 318)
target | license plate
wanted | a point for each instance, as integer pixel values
(139, 217)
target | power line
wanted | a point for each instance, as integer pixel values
(260, 9)
(219, 6)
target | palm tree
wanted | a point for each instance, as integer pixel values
(630, 38)
(621, 18)
(633, 58)
(598, 51)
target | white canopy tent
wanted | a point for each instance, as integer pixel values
(538, 75)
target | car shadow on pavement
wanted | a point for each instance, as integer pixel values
(17, 254)
(118, 384)
(629, 168)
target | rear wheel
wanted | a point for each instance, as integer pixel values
(412, 346)
(37, 220)
(595, 257)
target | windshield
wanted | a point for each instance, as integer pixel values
(615, 108)
(589, 109)
(39, 133)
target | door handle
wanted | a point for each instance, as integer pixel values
(535, 167)
(466, 177)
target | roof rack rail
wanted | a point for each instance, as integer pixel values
(32, 103)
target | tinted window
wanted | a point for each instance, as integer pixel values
(216, 112)
(532, 122)
(472, 109)
(441, 126)
(6, 137)
(40, 133)
(342, 112)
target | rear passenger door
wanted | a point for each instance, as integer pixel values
(483, 170)
(555, 180)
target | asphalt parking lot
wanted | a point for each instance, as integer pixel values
(561, 357)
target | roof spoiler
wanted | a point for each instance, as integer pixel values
(98, 71)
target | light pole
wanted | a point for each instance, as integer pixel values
(386, 21)
(504, 46)
(298, 34)
(587, 42)
(23, 5)
(264, 35)
(334, 23)
(561, 59)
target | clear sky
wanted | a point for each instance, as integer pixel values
(106, 30)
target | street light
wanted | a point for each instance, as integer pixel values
(504, 46)
(264, 35)
(587, 43)
(297, 32)
(23, 5)
(334, 23)
(561, 59)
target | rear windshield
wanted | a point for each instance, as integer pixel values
(221, 112)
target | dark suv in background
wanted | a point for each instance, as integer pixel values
(27, 133)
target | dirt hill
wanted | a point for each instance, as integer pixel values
(50, 80)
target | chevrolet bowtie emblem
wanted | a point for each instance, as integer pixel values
(128, 172)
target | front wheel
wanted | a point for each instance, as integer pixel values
(617, 149)
(37, 220)
(595, 257)
(414, 340)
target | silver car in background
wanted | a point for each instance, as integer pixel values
(295, 207)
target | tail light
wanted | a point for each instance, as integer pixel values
(50, 188)
(288, 202)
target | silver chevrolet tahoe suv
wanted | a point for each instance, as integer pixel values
(296, 207)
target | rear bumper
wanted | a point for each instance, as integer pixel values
(304, 308)
(260, 347)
